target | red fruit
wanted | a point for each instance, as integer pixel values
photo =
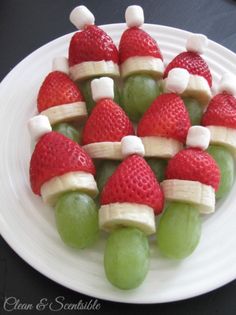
(221, 111)
(136, 42)
(196, 165)
(107, 122)
(192, 62)
(133, 181)
(166, 117)
(55, 155)
(57, 89)
(92, 44)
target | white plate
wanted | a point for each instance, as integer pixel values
(29, 228)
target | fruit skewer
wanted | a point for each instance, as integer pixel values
(163, 130)
(105, 128)
(192, 177)
(220, 119)
(61, 101)
(189, 75)
(141, 65)
(92, 54)
(129, 201)
(62, 173)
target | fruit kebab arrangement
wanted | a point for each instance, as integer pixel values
(131, 146)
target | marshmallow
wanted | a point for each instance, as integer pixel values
(132, 145)
(38, 126)
(81, 17)
(60, 64)
(134, 16)
(197, 43)
(102, 88)
(198, 137)
(228, 84)
(177, 80)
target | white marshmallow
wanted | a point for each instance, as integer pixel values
(198, 137)
(38, 126)
(132, 145)
(134, 16)
(228, 84)
(102, 88)
(81, 17)
(177, 80)
(60, 64)
(197, 43)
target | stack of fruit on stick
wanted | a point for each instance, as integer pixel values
(146, 129)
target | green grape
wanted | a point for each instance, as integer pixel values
(158, 167)
(139, 92)
(126, 258)
(77, 219)
(225, 161)
(106, 169)
(179, 230)
(68, 131)
(85, 88)
(195, 110)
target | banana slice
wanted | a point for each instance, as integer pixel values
(104, 150)
(197, 88)
(72, 181)
(66, 112)
(224, 136)
(94, 68)
(161, 147)
(201, 195)
(149, 64)
(115, 215)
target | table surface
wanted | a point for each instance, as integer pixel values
(26, 25)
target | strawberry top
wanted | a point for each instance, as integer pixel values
(55, 155)
(57, 89)
(136, 42)
(196, 165)
(92, 44)
(221, 111)
(166, 117)
(134, 182)
(107, 122)
(192, 62)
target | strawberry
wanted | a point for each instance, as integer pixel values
(92, 44)
(166, 117)
(196, 165)
(107, 122)
(136, 42)
(133, 181)
(57, 89)
(192, 62)
(221, 111)
(55, 155)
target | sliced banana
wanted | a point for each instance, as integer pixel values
(88, 69)
(201, 195)
(224, 136)
(197, 88)
(137, 64)
(72, 181)
(116, 215)
(104, 150)
(161, 147)
(66, 112)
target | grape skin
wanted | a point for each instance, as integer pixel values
(225, 161)
(179, 230)
(126, 258)
(77, 219)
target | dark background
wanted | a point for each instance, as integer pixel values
(25, 25)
